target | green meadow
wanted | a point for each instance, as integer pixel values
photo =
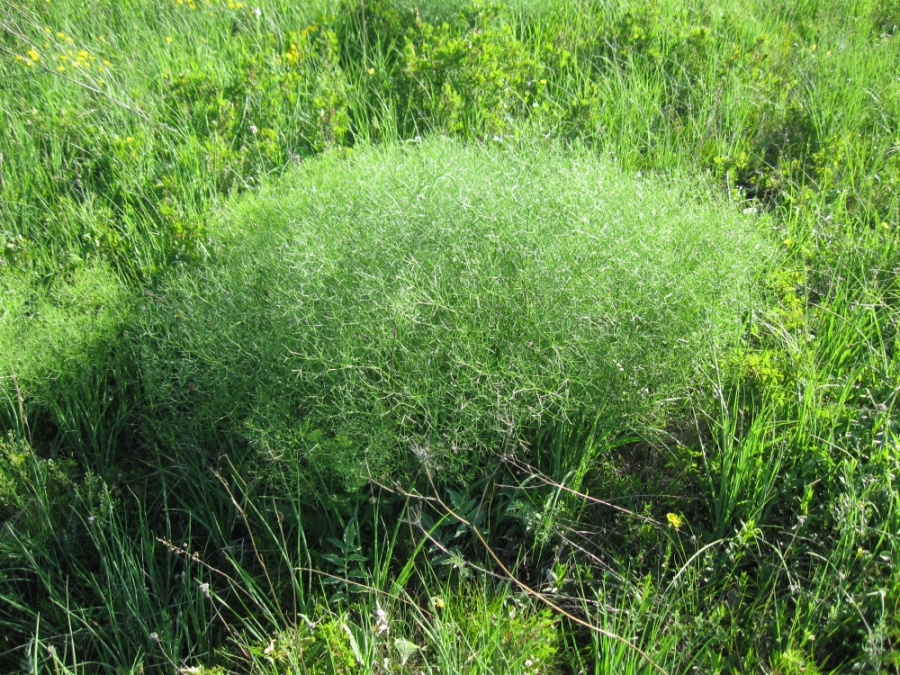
(425, 336)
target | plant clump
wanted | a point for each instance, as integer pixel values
(446, 302)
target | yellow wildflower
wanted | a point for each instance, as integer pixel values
(674, 520)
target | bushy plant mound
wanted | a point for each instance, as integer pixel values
(447, 301)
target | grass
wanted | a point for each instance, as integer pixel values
(409, 308)
(252, 254)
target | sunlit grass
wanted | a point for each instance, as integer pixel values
(233, 431)
(448, 303)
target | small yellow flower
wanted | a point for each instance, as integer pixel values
(60, 68)
(885, 226)
(33, 55)
(543, 82)
(674, 520)
(860, 552)
(438, 602)
(788, 242)
(371, 71)
(168, 40)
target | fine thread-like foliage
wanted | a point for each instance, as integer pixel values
(183, 444)
(448, 302)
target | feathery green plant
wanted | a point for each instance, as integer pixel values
(442, 304)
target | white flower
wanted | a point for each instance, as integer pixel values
(253, 129)
(381, 622)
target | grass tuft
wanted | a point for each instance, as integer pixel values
(447, 302)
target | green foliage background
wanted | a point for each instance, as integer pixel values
(157, 177)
